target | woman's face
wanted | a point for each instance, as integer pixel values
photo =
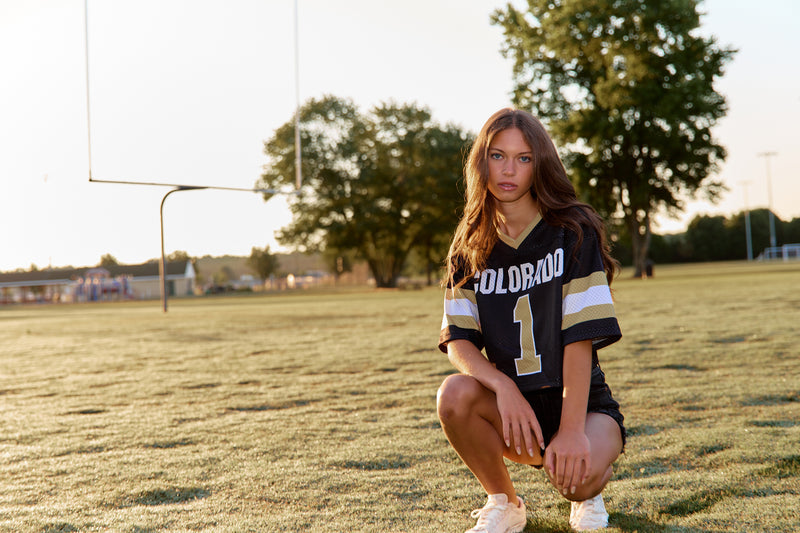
(510, 167)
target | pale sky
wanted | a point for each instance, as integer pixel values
(187, 91)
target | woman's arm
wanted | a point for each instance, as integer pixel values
(567, 457)
(520, 425)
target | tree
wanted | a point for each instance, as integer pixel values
(178, 256)
(709, 238)
(375, 184)
(108, 261)
(759, 222)
(626, 89)
(222, 276)
(262, 262)
(791, 231)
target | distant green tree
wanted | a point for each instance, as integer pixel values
(438, 216)
(759, 224)
(670, 248)
(375, 185)
(178, 256)
(223, 275)
(791, 231)
(626, 89)
(108, 261)
(707, 237)
(263, 262)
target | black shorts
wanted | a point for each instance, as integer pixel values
(546, 404)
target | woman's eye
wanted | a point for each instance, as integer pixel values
(495, 156)
(525, 159)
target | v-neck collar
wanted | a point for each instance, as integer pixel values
(515, 243)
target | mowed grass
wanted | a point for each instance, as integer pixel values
(315, 412)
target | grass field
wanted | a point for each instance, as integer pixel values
(315, 412)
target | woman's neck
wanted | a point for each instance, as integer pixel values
(513, 219)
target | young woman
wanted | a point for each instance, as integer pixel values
(528, 282)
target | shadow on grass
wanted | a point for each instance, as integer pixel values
(771, 399)
(269, 407)
(167, 496)
(89, 411)
(641, 523)
(696, 502)
(60, 527)
(623, 521)
(387, 463)
(170, 444)
(783, 467)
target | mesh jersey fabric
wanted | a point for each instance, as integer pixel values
(537, 294)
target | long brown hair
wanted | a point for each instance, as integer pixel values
(476, 233)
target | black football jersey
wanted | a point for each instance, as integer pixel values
(537, 294)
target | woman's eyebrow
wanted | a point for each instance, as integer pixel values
(492, 148)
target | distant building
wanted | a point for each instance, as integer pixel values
(94, 284)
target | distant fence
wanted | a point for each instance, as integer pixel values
(785, 252)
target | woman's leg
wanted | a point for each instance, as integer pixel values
(605, 439)
(470, 419)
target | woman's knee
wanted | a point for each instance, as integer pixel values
(456, 396)
(593, 486)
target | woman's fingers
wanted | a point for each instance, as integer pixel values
(550, 462)
(537, 432)
(528, 434)
(572, 476)
(587, 468)
(516, 429)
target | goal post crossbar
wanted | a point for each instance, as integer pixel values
(191, 187)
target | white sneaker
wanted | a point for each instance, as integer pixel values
(499, 516)
(588, 514)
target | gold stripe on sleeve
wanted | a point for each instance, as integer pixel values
(593, 312)
(459, 293)
(583, 284)
(462, 321)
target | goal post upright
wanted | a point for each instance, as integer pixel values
(88, 99)
(297, 155)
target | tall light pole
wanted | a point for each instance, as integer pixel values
(766, 156)
(747, 231)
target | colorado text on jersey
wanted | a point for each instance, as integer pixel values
(522, 277)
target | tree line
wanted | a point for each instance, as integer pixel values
(714, 238)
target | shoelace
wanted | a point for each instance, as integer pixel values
(487, 516)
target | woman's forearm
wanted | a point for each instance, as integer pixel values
(466, 357)
(577, 373)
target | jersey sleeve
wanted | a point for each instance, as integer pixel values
(587, 311)
(461, 319)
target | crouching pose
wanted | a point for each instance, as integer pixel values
(528, 282)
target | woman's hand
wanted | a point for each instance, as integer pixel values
(568, 460)
(520, 426)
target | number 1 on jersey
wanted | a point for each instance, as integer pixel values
(529, 361)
